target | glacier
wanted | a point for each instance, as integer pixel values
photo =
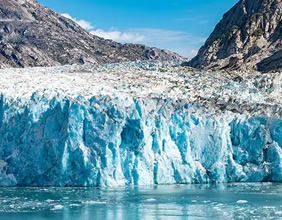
(138, 124)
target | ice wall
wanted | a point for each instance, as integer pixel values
(115, 141)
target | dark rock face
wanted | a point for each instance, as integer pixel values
(33, 35)
(249, 37)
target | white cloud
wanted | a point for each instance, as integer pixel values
(177, 41)
(84, 24)
(192, 53)
(161, 35)
(204, 22)
(186, 51)
(168, 39)
(147, 35)
(119, 36)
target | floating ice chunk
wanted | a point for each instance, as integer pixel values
(242, 201)
(92, 202)
(75, 205)
(58, 207)
(151, 200)
(49, 200)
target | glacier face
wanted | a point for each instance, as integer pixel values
(138, 124)
(116, 141)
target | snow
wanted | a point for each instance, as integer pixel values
(146, 79)
(138, 124)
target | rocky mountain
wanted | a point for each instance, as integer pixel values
(34, 35)
(249, 37)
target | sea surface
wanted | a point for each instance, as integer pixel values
(223, 201)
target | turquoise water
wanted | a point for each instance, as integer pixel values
(225, 201)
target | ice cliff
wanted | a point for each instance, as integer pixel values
(138, 124)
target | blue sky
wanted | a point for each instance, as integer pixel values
(177, 25)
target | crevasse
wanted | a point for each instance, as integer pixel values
(116, 141)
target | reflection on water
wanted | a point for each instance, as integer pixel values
(229, 201)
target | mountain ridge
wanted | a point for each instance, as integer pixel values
(34, 35)
(249, 38)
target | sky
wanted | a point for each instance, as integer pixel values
(181, 26)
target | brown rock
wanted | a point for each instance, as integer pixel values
(33, 35)
(249, 37)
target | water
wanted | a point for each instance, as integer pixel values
(225, 201)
